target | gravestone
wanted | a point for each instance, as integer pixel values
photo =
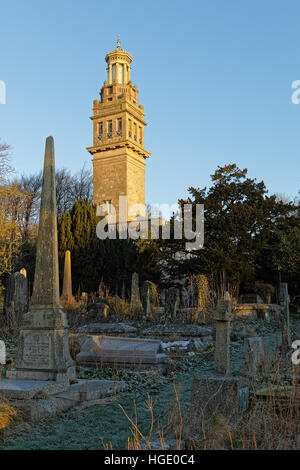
(172, 303)
(251, 299)
(43, 350)
(255, 354)
(149, 299)
(261, 351)
(120, 352)
(228, 396)
(16, 300)
(84, 297)
(223, 316)
(284, 300)
(67, 296)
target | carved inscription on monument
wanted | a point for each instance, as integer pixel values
(36, 349)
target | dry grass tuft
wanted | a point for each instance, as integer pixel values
(7, 415)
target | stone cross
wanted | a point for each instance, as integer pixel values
(284, 300)
(43, 349)
(222, 317)
(16, 300)
(67, 296)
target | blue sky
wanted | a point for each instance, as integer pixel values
(214, 77)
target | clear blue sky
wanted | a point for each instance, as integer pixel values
(214, 77)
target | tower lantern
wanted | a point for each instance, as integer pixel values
(118, 66)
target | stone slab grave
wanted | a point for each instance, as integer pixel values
(119, 352)
(228, 396)
(36, 400)
(181, 331)
(261, 350)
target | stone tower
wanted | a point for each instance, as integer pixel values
(118, 149)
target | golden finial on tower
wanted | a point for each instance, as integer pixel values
(118, 42)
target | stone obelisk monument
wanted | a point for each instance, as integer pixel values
(43, 350)
(67, 296)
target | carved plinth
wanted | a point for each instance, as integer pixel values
(43, 349)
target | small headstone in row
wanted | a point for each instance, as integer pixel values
(172, 303)
(284, 300)
(135, 291)
(149, 299)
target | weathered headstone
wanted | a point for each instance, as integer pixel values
(223, 316)
(261, 350)
(135, 292)
(24, 272)
(149, 299)
(284, 300)
(120, 352)
(16, 300)
(99, 310)
(163, 297)
(67, 296)
(172, 303)
(43, 350)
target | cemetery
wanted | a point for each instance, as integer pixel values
(230, 365)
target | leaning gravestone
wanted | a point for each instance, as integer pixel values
(16, 300)
(120, 352)
(43, 350)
